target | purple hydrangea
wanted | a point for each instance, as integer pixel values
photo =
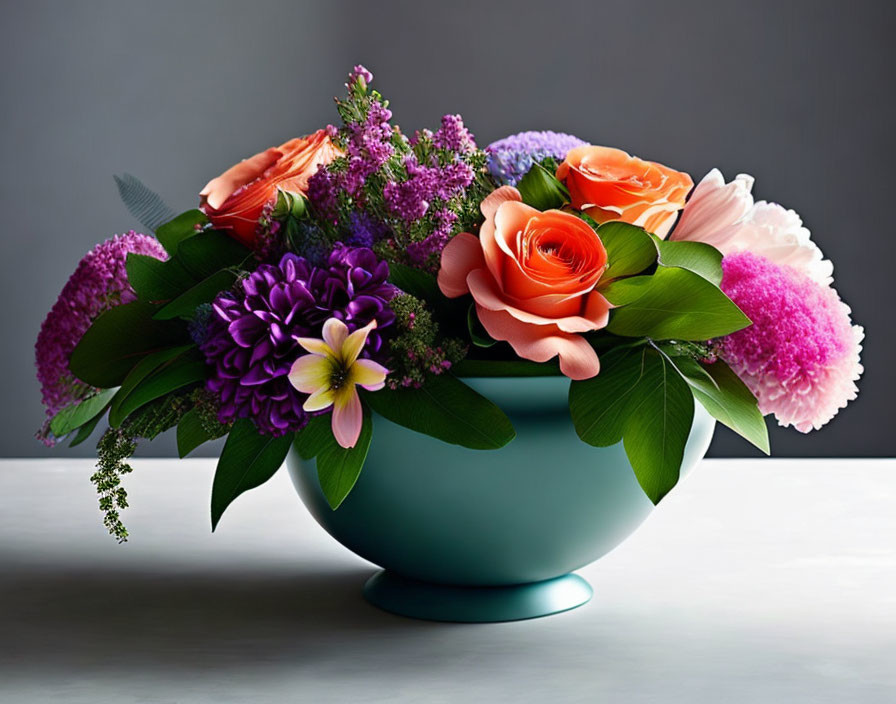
(251, 341)
(98, 283)
(510, 158)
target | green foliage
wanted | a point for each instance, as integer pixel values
(185, 305)
(248, 460)
(172, 375)
(478, 334)
(726, 398)
(505, 367)
(676, 304)
(80, 413)
(188, 271)
(629, 250)
(541, 189)
(338, 468)
(416, 282)
(86, 430)
(175, 231)
(154, 280)
(143, 369)
(447, 409)
(417, 346)
(197, 427)
(118, 339)
(698, 257)
(638, 398)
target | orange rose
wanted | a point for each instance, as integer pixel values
(608, 184)
(532, 276)
(234, 200)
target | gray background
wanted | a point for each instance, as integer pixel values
(798, 94)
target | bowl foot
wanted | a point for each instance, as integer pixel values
(459, 604)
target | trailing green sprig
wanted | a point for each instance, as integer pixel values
(117, 445)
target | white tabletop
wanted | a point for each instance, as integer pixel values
(755, 581)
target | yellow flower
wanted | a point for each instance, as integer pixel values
(330, 373)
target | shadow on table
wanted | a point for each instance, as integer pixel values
(108, 619)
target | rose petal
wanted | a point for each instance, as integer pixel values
(461, 255)
(487, 296)
(578, 360)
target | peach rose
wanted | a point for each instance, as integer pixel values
(234, 200)
(609, 184)
(532, 276)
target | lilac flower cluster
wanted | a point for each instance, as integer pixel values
(420, 252)
(251, 340)
(453, 136)
(410, 193)
(410, 199)
(368, 146)
(510, 158)
(99, 282)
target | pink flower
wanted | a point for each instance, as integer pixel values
(725, 216)
(330, 373)
(800, 357)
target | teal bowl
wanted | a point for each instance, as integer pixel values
(471, 535)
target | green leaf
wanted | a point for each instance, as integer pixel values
(86, 430)
(338, 467)
(77, 414)
(660, 415)
(447, 409)
(677, 304)
(192, 432)
(155, 280)
(416, 282)
(630, 250)
(501, 367)
(118, 339)
(314, 437)
(175, 231)
(727, 399)
(624, 291)
(701, 258)
(478, 334)
(248, 460)
(146, 366)
(541, 189)
(599, 405)
(205, 291)
(208, 252)
(179, 372)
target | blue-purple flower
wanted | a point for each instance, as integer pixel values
(510, 158)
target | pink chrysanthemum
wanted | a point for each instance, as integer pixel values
(99, 282)
(800, 357)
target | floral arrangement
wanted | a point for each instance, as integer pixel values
(359, 271)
